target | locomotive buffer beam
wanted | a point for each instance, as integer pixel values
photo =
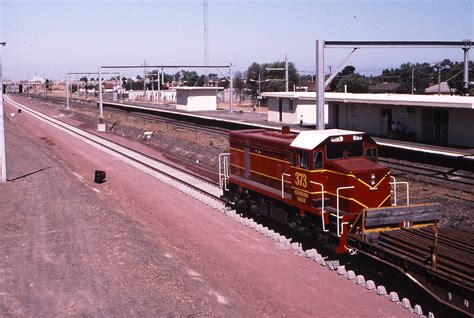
(375, 220)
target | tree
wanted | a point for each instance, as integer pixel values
(191, 78)
(48, 84)
(253, 73)
(201, 81)
(277, 78)
(355, 82)
(239, 83)
(274, 80)
(455, 77)
(348, 70)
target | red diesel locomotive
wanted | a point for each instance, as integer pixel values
(323, 183)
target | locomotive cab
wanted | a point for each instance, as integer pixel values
(343, 164)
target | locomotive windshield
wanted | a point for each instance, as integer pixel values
(336, 150)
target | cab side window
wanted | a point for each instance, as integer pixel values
(303, 159)
(371, 153)
(318, 160)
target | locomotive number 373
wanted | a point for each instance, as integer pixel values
(300, 179)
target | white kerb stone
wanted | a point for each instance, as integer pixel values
(360, 280)
(393, 296)
(381, 290)
(406, 303)
(418, 310)
(341, 270)
(351, 275)
(310, 253)
(370, 285)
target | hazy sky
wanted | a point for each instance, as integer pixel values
(50, 38)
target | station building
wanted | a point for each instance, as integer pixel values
(196, 98)
(425, 118)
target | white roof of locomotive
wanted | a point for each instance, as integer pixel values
(311, 139)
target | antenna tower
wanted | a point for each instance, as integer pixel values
(206, 42)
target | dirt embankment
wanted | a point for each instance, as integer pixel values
(198, 151)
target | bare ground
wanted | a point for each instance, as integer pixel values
(135, 247)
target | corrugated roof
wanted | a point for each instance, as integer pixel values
(444, 88)
(384, 99)
(310, 139)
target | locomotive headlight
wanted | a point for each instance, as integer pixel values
(372, 179)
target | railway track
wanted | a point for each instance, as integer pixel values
(139, 114)
(145, 163)
(454, 179)
(442, 267)
(455, 257)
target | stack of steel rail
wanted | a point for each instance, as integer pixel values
(454, 259)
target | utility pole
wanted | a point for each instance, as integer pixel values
(3, 150)
(412, 79)
(259, 81)
(320, 84)
(67, 91)
(259, 91)
(286, 72)
(101, 111)
(144, 82)
(158, 85)
(439, 78)
(231, 94)
(466, 70)
(281, 69)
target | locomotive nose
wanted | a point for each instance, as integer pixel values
(369, 172)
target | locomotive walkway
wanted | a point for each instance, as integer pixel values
(135, 247)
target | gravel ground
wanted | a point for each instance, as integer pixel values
(135, 247)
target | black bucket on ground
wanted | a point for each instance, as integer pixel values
(99, 176)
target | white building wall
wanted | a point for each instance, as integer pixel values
(460, 127)
(368, 118)
(273, 115)
(181, 98)
(293, 110)
(307, 112)
(196, 99)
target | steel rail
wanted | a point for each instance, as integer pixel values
(433, 179)
(430, 172)
(417, 282)
(139, 114)
(142, 161)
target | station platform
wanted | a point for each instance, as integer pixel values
(256, 119)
